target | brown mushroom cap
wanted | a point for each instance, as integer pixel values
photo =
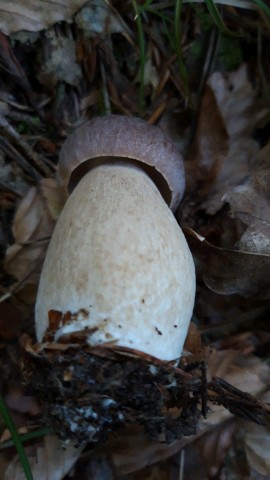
(126, 138)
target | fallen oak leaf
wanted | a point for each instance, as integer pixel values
(227, 271)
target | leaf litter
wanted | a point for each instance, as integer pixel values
(224, 138)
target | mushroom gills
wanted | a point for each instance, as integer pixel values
(119, 265)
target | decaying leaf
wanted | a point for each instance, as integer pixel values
(204, 456)
(193, 342)
(59, 61)
(250, 202)
(49, 461)
(228, 271)
(10, 64)
(235, 96)
(257, 447)
(223, 150)
(98, 468)
(209, 148)
(246, 372)
(257, 444)
(97, 17)
(35, 15)
(12, 321)
(32, 228)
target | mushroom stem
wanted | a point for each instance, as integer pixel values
(119, 265)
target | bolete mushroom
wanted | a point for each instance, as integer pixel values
(118, 263)
(118, 279)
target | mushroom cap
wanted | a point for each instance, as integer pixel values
(118, 263)
(128, 138)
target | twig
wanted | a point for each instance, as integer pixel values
(37, 160)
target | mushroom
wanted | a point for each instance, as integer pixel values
(116, 291)
(118, 266)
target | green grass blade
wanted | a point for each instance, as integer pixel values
(146, 4)
(213, 10)
(27, 436)
(263, 6)
(138, 20)
(16, 439)
(178, 47)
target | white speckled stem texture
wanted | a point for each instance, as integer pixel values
(118, 255)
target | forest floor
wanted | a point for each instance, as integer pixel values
(201, 71)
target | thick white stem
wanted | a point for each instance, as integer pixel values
(118, 261)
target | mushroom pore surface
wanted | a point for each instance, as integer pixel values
(118, 262)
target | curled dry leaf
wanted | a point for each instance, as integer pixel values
(50, 460)
(32, 227)
(228, 271)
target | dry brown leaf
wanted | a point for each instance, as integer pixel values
(250, 202)
(53, 197)
(35, 15)
(10, 64)
(257, 447)
(98, 17)
(12, 321)
(228, 271)
(32, 227)
(97, 468)
(235, 96)
(193, 341)
(159, 471)
(206, 454)
(257, 444)
(59, 61)
(204, 457)
(49, 461)
(245, 372)
(209, 147)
